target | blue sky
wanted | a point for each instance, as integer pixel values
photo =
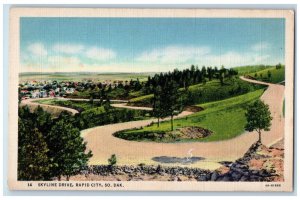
(147, 44)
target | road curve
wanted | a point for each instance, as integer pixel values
(32, 104)
(103, 144)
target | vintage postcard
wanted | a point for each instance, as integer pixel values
(151, 99)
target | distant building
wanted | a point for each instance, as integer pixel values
(35, 94)
(43, 94)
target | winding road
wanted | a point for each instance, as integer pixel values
(103, 144)
(33, 104)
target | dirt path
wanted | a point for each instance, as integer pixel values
(103, 144)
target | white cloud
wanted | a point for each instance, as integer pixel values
(63, 61)
(173, 54)
(100, 54)
(260, 46)
(85, 58)
(37, 49)
(67, 48)
(183, 57)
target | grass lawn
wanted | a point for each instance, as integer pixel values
(277, 75)
(226, 118)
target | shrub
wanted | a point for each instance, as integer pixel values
(112, 160)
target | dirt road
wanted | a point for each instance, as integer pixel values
(103, 144)
(57, 109)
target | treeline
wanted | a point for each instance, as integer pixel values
(52, 147)
(183, 78)
(188, 77)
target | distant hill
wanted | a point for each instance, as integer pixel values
(79, 76)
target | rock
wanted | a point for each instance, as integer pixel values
(244, 178)
(202, 178)
(226, 177)
(137, 179)
(255, 178)
(208, 176)
(255, 172)
(264, 173)
(223, 170)
(238, 170)
(236, 176)
(214, 176)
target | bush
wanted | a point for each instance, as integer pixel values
(112, 160)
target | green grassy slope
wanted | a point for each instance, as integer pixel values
(226, 118)
(277, 75)
(202, 93)
(242, 70)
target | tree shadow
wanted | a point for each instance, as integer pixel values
(184, 160)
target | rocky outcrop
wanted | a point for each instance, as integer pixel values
(258, 164)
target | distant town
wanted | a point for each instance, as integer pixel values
(43, 88)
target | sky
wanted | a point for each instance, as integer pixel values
(147, 44)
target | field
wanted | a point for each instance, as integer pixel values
(224, 118)
(277, 75)
(81, 76)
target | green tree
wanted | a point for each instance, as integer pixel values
(278, 66)
(258, 118)
(43, 120)
(222, 73)
(158, 111)
(33, 162)
(170, 100)
(106, 104)
(67, 149)
(92, 98)
(269, 74)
